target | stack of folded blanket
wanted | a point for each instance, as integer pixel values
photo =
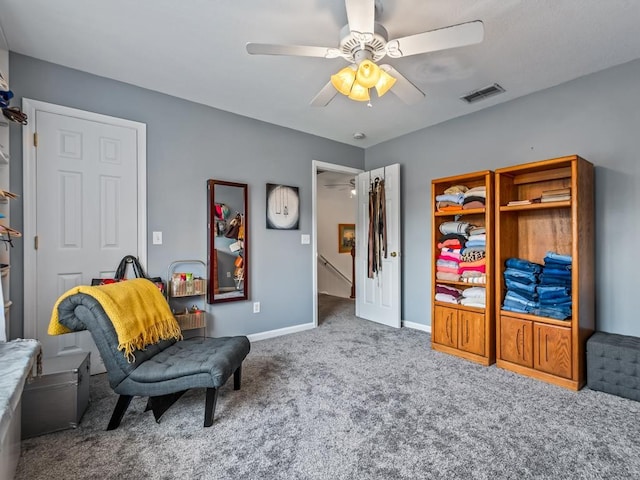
(521, 280)
(451, 200)
(448, 294)
(473, 264)
(450, 243)
(474, 297)
(554, 290)
(474, 198)
(462, 253)
(447, 264)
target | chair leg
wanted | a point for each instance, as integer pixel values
(118, 411)
(161, 403)
(237, 377)
(210, 406)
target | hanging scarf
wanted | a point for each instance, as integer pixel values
(377, 244)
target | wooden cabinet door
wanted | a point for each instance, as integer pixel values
(552, 349)
(445, 326)
(516, 342)
(471, 332)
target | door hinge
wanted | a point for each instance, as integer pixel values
(35, 139)
(35, 242)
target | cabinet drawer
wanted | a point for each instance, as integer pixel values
(552, 349)
(471, 332)
(516, 340)
(445, 326)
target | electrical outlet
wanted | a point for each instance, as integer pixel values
(256, 307)
(228, 274)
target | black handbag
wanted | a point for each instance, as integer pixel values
(234, 227)
(121, 273)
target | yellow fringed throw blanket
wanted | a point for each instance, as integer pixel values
(139, 313)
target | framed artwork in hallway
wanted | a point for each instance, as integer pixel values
(346, 237)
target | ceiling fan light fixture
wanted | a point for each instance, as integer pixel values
(385, 82)
(344, 80)
(359, 93)
(368, 74)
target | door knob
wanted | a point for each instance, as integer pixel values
(393, 254)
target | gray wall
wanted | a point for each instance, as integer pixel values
(188, 143)
(596, 117)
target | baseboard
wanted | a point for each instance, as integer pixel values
(417, 326)
(255, 337)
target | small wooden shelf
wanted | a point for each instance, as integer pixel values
(459, 306)
(536, 318)
(535, 206)
(460, 284)
(469, 211)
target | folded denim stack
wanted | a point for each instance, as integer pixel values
(448, 294)
(521, 280)
(554, 290)
(451, 200)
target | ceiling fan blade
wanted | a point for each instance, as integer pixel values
(295, 50)
(361, 17)
(324, 96)
(403, 88)
(434, 40)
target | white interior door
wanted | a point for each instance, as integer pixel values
(379, 298)
(86, 213)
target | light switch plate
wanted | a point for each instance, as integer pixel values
(157, 238)
(305, 239)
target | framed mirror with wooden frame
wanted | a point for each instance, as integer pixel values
(227, 245)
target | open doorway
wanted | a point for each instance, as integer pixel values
(334, 205)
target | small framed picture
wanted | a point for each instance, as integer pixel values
(283, 207)
(346, 237)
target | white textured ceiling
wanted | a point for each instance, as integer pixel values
(195, 49)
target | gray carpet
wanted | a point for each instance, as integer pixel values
(354, 400)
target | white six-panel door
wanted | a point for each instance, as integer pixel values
(86, 213)
(379, 298)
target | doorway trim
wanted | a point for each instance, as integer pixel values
(317, 165)
(30, 107)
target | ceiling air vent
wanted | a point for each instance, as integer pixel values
(482, 93)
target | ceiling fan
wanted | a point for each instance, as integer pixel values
(350, 184)
(364, 42)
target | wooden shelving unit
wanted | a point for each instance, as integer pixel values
(545, 348)
(467, 332)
